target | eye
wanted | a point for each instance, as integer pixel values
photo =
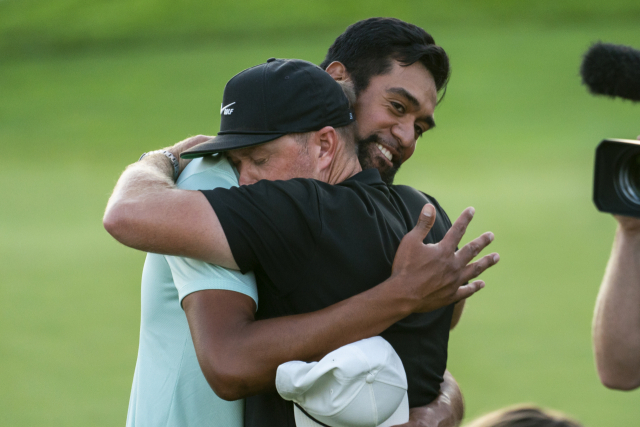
(419, 132)
(260, 162)
(398, 107)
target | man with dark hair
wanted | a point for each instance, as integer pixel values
(368, 47)
(311, 244)
(390, 63)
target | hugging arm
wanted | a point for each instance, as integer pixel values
(147, 212)
(238, 355)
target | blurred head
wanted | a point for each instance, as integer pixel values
(524, 416)
(397, 71)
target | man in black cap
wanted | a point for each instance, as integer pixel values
(312, 242)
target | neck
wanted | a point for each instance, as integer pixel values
(344, 166)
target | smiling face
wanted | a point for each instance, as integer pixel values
(392, 113)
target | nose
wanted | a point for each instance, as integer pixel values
(405, 134)
(246, 177)
(246, 180)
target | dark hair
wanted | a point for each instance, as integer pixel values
(524, 416)
(367, 48)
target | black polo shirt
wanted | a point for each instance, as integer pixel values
(311, 245)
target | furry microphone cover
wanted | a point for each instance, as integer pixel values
(612, 70)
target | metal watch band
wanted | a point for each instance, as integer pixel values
(171, 157)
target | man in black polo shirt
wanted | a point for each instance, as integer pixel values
(311, 244)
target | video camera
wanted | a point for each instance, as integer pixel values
(614, 70)
(616, 184)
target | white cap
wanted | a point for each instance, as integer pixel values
(360, 384)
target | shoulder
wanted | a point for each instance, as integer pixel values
(439, 209)
(406, 191)
(282, 203)
(413, 197)
(295, 185)
(207, 173)
(297, 192)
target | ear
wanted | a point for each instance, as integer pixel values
(338, 71)
(327, 140)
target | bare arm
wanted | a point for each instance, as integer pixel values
(147, 212)
(239, 356)
(616, 322)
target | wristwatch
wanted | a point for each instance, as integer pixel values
(171, 157)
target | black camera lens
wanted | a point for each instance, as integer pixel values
(616, 177)
(629, 177)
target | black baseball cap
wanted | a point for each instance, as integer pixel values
(273, 99)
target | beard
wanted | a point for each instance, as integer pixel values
(370, 157)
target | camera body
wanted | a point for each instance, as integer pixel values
(616, 184)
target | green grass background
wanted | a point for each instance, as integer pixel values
(86, 86)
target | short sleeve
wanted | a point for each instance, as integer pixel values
(190, 275)
(272, 225)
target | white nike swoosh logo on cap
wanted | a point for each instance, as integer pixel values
(226, 106)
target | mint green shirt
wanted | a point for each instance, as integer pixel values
(169, 388)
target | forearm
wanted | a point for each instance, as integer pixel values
(241, 359)
(451, 394)
(239, 356)
(147, 212)
(616, 325)
(139, 189)
(446, 411)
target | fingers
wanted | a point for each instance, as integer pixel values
(457, 230)
(474, 247)
(474, 269)
(425, 222)
(467, 290)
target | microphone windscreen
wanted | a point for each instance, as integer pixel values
(612, 70)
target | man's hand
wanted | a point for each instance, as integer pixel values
(184, 145)
(434, 274)
(629, 225)
(446, 411)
